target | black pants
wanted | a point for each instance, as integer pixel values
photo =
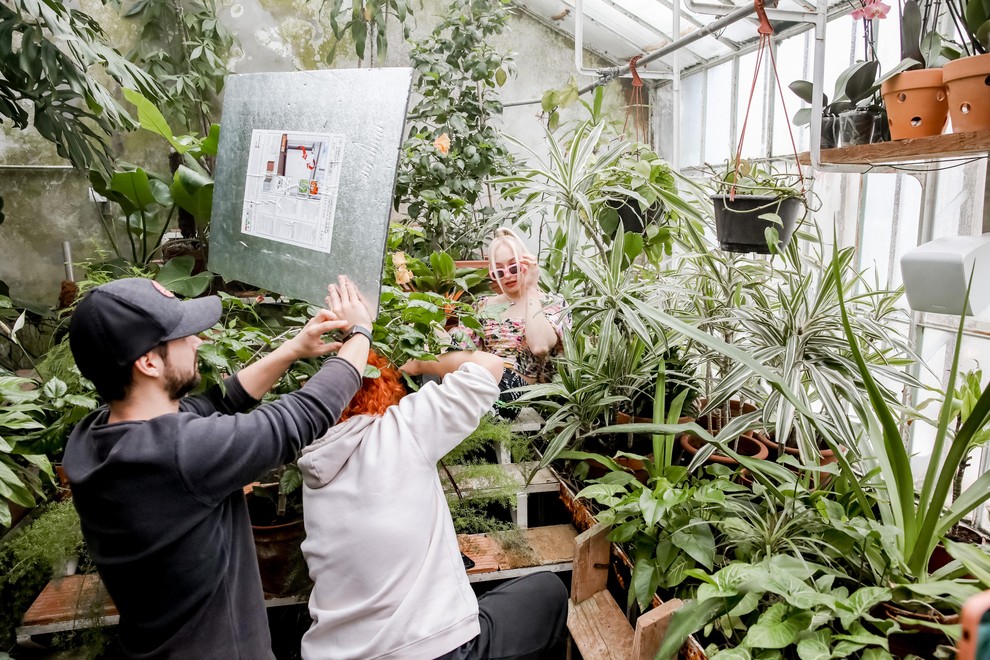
(521, 619)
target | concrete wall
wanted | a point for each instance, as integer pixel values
(46, 206)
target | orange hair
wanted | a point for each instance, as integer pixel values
(376, 394)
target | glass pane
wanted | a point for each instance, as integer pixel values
(690, 128)
(754, 146)
(793, 63)
(717, 139)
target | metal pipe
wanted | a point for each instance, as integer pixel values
(579, 45)
(36, 167)
(67, 261)
(675, 87)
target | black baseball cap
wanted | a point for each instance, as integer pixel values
(115, 324)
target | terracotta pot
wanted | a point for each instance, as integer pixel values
(748, 446)
(472, 263)
(920, 638)
(625, 418)
(280, 558)
(967, 85)
(827, 456)
(916, 102)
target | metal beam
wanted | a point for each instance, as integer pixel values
(655, 30)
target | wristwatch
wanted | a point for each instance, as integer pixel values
(359, 330)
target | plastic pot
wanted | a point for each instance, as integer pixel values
(830, 128)
(740, 227)
(856, 127)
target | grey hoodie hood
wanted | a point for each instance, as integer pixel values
(322, 461)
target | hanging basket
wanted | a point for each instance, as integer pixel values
(967, 84)
(916, 104)
(740, 227)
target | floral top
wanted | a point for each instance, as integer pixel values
(507, 339)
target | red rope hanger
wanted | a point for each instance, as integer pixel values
(635, 100)
(765, 31)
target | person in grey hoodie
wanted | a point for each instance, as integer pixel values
(157, 477)
(389, 581)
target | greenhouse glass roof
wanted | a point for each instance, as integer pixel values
(621, 29)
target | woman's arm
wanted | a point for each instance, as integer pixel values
(541, 336)
(451, 362)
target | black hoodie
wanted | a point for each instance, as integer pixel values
(164, 516)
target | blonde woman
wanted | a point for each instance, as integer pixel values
(521, 324)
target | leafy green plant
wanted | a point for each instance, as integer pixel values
(30, 557)
(440, 274)
(184, 45)
(148, 201)
(453, 151)
(750, 178)
(48, 54)
(366, 21)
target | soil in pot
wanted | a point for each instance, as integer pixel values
(916, 103)
(740, 227)
(967, 86)
(961, 533)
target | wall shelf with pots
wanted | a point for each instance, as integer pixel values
(947, 145)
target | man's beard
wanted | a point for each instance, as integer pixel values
(178, 385)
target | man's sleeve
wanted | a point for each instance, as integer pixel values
(230, 399)
(219, 454)
(441, 416)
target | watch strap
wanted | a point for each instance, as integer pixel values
(359, 330)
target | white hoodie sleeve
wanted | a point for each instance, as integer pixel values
(441, 416)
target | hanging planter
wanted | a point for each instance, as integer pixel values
(916, 102)
(742, 223)
(967, 85)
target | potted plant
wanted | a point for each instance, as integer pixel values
(965, 78)
(915, 99)
(854, 113)
(756, 208)
(275, 508)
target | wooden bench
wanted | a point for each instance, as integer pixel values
(549, 548)
(596, 623)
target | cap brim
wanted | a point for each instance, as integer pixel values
(198, 315)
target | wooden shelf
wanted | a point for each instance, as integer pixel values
(948, 145)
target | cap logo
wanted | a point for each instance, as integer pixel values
(162, 290)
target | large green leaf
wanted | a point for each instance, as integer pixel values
(777, 628)
(697, 540)
(135, 187)
(151, 119)
(193, 192)
(176, 276)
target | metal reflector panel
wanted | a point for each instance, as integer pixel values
(305, 176)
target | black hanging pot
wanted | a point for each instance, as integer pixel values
(740, 227)
(633, 219)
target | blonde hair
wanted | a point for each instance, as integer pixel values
(505, 236)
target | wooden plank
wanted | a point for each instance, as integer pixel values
(591, 563)
(76, 602)
(599, 629)
(651, 628)
(948, 145)
(543, 548)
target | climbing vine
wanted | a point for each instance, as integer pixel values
(453, 150)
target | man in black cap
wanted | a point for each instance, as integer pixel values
(157, 478)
